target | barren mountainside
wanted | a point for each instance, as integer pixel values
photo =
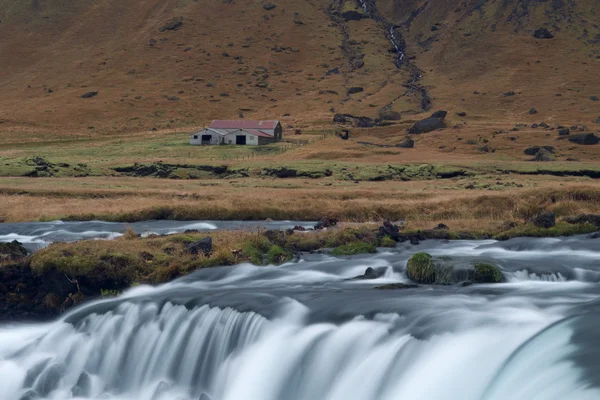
(179, 63)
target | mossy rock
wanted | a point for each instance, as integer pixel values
(487, 273)
(421, 268)
(387, 241)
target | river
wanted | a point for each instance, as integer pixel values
(304, 331)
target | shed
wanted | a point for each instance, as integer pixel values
(240, 132)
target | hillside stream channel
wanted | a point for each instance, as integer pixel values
(304, 330)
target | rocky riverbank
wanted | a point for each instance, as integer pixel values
(44, 284)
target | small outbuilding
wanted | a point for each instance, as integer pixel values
(238, 132)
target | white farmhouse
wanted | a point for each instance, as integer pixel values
(239, 132)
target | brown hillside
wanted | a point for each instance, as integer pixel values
(233, 56)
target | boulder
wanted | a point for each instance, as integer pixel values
(389, 115)
(355, 89)
(542, 33)
(441, 114)
(441, 227)
(532, 111)
(594, 98)
(325, 223)
(508, 94)
(269, 6)
(370, 273)
(353, 15)
(584, 139)
(461, 114)
(203, 246)
(544, 156)
(357, 121)
(390, 230)
(564, 132)
(12, 251)
(408, 143)
(544, 220)
(89, 95)
(533, 150)
(423, 268)
(172, 25)
(427, 125)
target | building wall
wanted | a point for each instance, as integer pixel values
(196, 138)
(250, 139)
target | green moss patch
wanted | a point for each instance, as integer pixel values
(421, 268)
(354, 249)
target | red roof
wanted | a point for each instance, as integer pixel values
(243, 124)
(258, 133)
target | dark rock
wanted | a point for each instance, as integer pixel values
(325, 223)
(508, 94)
(544, 220)
(423, 268)
(427, 125)
(370, 273)
(533, 150)
(390, 230)
(441, 114)
(594, 235)
(172, 25)
(564, 132)
(333, 71)
(269, 6)
(172, 98)
(544, 155)
(89, 95)
(276, 236)
(390, 116)
(345, 135)
(355, 89)
(461, 114)
(594, 98)
(353, 15)
(12, 251)
(357, 121)
(414, 240)
(593, 219)
(203, 246)
(441, 227)
(534, 126)
(397, 286)
(532, 111)
(584, 139)
(542, 33)
(544, 125)
(408, 143)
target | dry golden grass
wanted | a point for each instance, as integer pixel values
(421, 203)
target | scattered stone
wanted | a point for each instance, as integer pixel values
(333, 71)
(594, 98)
(325, 223)
(172, 25)
(564, 132)
(172, 98)
(544, 155)
(408, 143)
(584, 139)
(534, 126)
(355, 89)
(89, 95)
(297, 19)
(542, 33)
(544, 125)
(357, 121)
(461, 114)
(533, 150)
(544, 220)
(370, 273)
(427, 125)
(593, 219)
(533, 111)
(508, 94)
(390, 115)
(441, 227)
(269, 6)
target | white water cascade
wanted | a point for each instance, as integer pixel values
(305, 331)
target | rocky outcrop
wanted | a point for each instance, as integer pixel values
(593, 219)
(203, 246)
(544, 220)
(544, 156)
(533, 150)
(13, 251)
(425, 269)
(433, 123)
(542, 33)
(357, 121)
(584, 139)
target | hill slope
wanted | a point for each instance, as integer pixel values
(299, 58)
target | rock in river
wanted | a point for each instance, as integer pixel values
(423, 268)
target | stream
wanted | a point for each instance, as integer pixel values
(304, 331)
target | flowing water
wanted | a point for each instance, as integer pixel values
(304, 331)
(36, 235)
